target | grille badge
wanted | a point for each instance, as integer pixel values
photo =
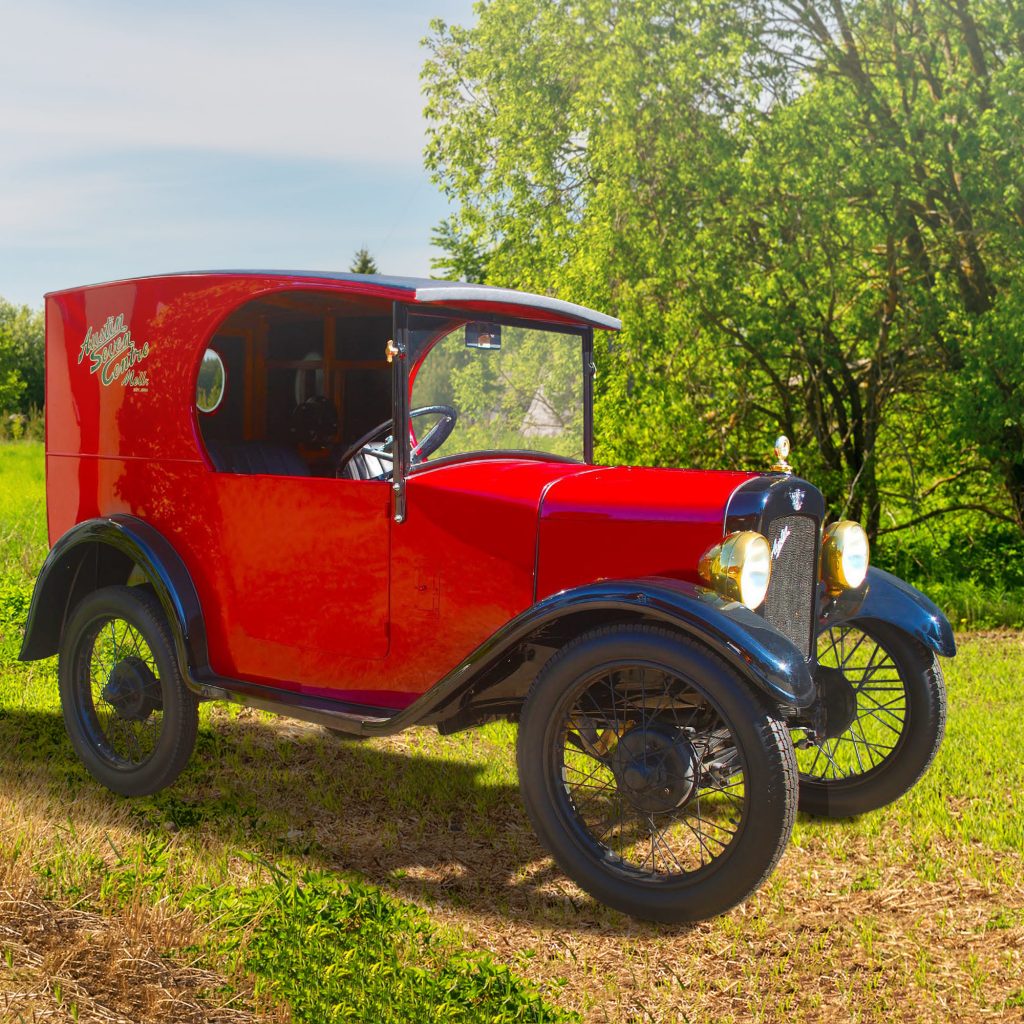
(780, 542)
(796, 497)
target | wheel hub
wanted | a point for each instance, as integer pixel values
(656, 768)
(132, 690)
(837, 698)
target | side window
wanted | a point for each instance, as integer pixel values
(288, 383)
(210, 384)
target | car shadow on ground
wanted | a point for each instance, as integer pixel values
(424, 827)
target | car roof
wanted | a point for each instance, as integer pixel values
(422, 290)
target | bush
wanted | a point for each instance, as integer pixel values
(972, 568)
(22, 334)
(22, 426)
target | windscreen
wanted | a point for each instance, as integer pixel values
(513, 387)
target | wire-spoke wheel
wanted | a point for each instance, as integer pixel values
(885, 714)
(127, 711)
(658, 780)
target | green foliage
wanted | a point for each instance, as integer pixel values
(460, 258)
(19, 426)
(363, 262)
(809, 216)
(988, 390)
(15, 597)
(22, 334)
(985, 553)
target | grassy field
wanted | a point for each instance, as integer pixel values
(293, 876)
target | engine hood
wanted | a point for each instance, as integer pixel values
(620, 522)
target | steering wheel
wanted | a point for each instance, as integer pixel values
(379, 442)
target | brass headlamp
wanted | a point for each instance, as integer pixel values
(739, 568)
(845, 553)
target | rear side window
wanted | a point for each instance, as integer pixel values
(291, 380)
(211, 382)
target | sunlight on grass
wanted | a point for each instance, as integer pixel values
(308, 863)
(23, 541)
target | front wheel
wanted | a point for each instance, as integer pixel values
(126, 708)
(885, 704)
(660, 782)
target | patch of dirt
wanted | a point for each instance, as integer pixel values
(845, 929)
(1002, 635)
(61, 964)
(810, 947)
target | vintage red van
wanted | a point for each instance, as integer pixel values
(370, 502)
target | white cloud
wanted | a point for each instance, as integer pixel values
(301, 81)
(137, 137)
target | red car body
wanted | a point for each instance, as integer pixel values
(242, 535)
(308, 584)
(482, 541)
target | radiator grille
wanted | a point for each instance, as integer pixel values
(789, 606)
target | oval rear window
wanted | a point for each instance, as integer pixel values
(211, 381)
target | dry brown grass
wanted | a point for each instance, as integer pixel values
(850, 927)
(906, 951)
(63, 964)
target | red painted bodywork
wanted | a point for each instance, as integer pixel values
(307, 583)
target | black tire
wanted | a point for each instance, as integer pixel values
(700, 728)
(898, 724)
(127, 711)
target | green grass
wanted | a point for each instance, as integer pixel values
(330, 947)
(399, 879)
(23, 542)
(337, 950)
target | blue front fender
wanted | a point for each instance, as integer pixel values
(886, 598)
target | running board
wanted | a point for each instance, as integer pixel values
(357, 719)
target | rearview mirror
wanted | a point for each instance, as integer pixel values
(483, 335)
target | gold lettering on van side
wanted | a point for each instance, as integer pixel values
(114, 354)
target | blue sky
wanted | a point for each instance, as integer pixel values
(137, 138)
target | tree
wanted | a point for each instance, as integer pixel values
(363, 262)
(22, 338)
(460, 258)
(806, 211)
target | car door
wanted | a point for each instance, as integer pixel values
(307, 562)
(307, 559)
(302, 569)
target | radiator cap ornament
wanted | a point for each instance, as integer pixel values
(781, 454)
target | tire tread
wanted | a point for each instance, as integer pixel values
(183, 715)
(765, 849)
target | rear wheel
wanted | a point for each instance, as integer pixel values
(885, 708)
(127, 711)
(660, 782)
